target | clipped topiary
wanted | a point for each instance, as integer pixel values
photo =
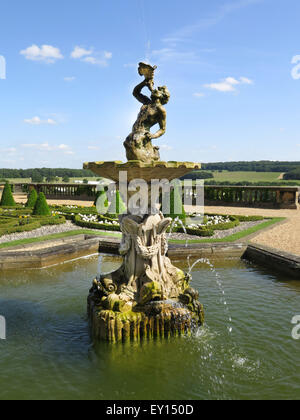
(32, 198)
(101, 202)
(117, 206)
(41, 207)
(176, 204)
(7, 199)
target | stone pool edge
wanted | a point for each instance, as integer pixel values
(57, 251)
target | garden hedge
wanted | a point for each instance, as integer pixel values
(13, 225)
(32, 199)
(7, 199)
(41, 207)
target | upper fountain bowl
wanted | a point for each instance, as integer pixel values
(140, 170)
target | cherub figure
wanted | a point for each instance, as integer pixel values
(138, 144)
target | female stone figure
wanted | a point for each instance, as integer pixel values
(138, 144)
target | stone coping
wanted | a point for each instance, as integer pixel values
(51, 252)
(47, 253)
(280, 261)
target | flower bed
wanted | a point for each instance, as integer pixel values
(100, 223)
(87, 217)
(15, 220)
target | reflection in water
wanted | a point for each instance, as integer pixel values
(49, 354)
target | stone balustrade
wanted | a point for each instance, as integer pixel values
(261, 197)
(248, 196)
(82, 192)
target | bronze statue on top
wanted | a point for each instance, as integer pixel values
(138, 144)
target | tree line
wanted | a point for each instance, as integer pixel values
(39, 174)
(261, 166)
(295, 174)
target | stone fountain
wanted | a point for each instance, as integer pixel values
(147, 296)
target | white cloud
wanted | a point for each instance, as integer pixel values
(214, 18)
(46, 147)
(92, 57)
(69, 79)
(9, 150)
(93, 148)
(108, 55)
(46, 53)
(229, 84)
(246, 81)
(199, 95)
(91, 60)
(79, 52)
(172, 54)
(38, 121)
(166, 147)
(296, 70)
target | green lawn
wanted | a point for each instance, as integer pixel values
(19, 180)
(59, 236)
(246, 176)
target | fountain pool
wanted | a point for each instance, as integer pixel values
(49, 354)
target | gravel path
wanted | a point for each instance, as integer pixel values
(284, 237)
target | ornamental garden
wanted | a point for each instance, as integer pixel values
(36, 213)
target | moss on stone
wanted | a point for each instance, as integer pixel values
(150, 291)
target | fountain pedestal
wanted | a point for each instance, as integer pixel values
(147, 296)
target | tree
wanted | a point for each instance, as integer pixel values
(85, 181)
(32, 198)
(37, 177)
(51, 179)
(41, 207)
(66, 179)
(117, 206)
(101, 202)
(176, 203)
(7, 199)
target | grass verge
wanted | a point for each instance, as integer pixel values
(58, 236)
(232, 238)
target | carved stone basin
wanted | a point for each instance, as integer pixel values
(140, 170)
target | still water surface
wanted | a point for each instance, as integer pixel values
(48, 353)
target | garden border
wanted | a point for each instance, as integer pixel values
(66, 246)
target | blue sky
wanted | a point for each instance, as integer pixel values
(71, 67)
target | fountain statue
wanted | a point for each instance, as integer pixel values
(138, 144)
(147, 296)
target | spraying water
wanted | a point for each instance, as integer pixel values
(99, 269)
(219, 282)
(212, 268)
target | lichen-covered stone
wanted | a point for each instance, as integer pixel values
(155, 320)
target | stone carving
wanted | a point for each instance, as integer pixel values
(147, 296)
(138, 144)
(146, 285)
